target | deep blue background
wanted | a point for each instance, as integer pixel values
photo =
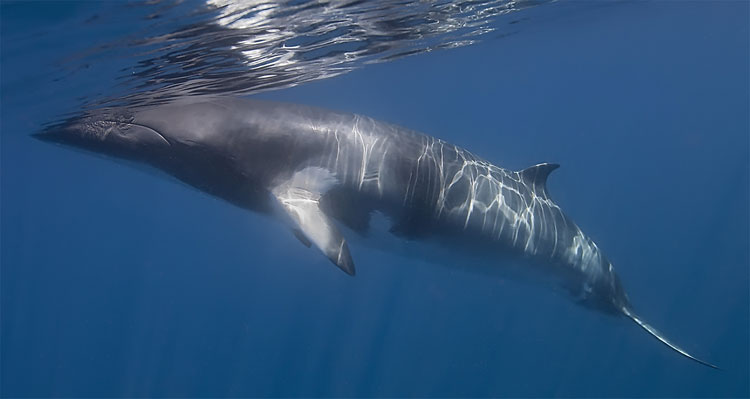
(118, 282)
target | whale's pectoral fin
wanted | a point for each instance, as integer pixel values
(300, 197)
(316, 228)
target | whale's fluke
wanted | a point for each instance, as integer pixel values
(656, 334)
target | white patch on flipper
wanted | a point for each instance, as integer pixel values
(299, 197)
(313, 179)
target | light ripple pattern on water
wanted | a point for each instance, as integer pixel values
(235, 47)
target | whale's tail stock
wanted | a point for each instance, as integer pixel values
(656, 334)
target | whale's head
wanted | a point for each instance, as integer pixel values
(113, 132)
(155, 134)
(203, 144)
(180, 130)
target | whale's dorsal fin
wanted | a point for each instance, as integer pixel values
(536, 177)
(299, 197)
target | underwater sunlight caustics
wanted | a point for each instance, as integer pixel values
(325, 174)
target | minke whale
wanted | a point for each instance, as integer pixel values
(327, 174)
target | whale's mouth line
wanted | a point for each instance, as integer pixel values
(149, 128)
(72, 131)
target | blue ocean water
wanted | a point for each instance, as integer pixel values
(118, 282)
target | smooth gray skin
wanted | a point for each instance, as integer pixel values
(321, 170)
